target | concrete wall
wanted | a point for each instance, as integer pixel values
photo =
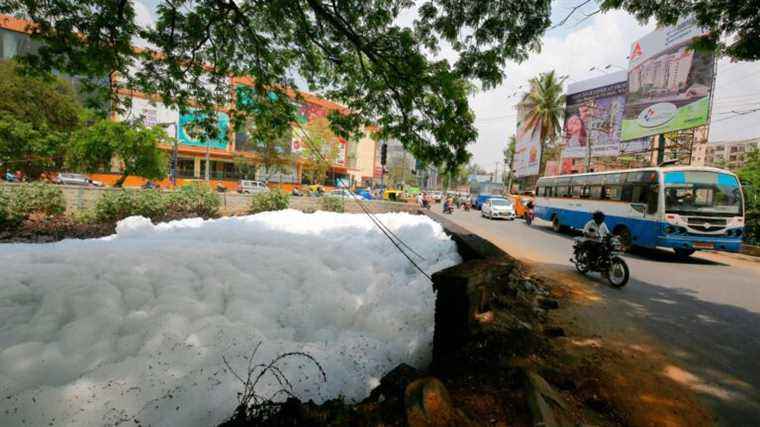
(79, 198)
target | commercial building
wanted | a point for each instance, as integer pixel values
(355, 162)
(726, 154)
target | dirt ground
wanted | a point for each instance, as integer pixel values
(611, 369)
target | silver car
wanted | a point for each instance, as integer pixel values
(251, 187)
(494, 208)
(66, 178)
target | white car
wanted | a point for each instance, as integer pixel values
(437, 196)
(494, 208)
(245, 186)
(66, 178)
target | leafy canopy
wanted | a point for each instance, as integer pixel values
(734, 24)
(37, 116)
(134, 145)
(352, 51)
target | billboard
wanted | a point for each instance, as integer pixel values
(527, 150)
(669, 84)
(593, 118)
(188, 134)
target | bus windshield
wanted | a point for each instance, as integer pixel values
(702, 193)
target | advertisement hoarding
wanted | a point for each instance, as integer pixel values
(593, 116)
(669, 83)
(527, 150)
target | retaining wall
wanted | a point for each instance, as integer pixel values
(80, 198)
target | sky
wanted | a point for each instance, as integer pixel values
(573, 49)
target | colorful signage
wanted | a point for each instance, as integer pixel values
(191, 133)
(669, 83)
(593, 118)
(527, 150)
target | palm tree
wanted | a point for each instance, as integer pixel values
(545, 104)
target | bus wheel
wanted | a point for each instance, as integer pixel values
(624, 235)
(556, 226)
(683, 252)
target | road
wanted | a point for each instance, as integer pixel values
(704, 312)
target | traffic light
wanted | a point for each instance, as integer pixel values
(383, 154)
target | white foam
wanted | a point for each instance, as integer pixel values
(134, 326)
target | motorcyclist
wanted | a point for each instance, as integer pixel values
(595, 231)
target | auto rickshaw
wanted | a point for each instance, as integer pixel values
(520, 204)
(393, 195)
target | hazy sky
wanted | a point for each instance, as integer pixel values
(573, 49)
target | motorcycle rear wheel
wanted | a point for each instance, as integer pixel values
(618, 273)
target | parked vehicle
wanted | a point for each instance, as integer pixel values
(246, 186)
(66, 178)
(495, 208)
(603, 257)
(686, 208)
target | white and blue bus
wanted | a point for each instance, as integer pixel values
(685, 208)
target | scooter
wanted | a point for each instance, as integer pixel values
(448, 209)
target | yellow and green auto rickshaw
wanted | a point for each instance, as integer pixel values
(393, 195)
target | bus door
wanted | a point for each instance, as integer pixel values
(641, 192)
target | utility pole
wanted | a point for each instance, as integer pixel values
(660, 149)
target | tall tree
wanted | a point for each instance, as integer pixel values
(545, 101)
(133, 145)
(37, 116)
(319, 149)
(352, 51)
(509, 160)
(749, 175)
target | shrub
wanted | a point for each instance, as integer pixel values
(332, 204)
(9, 217)
(188, 201)
(193, 200)
(274, 200)
(37, 198)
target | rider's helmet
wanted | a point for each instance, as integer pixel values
(598, 217)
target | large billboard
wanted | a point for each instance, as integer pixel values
(593, 116)
(527, 150)
(190, 132)
(669, 83)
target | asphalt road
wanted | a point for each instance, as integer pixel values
(704, 312)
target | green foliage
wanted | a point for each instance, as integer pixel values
(37, 117)
(245, 167)
(332, 204)
(135, 146)
(191, 200)
(194, 200)
(264, 201)
(545, 102)
(9, 217)
(732, 24)
(355, 52)
(19, 202)
(749, 175)
(320, 150)
(38, 198)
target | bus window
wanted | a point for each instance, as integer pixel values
(613, 192)
(596, 192)
(652, 198)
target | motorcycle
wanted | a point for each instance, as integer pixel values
(467, 206)
(448, 209)
(606, 260)
(529, 216)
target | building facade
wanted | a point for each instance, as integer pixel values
(728, 154)
(355, 162)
